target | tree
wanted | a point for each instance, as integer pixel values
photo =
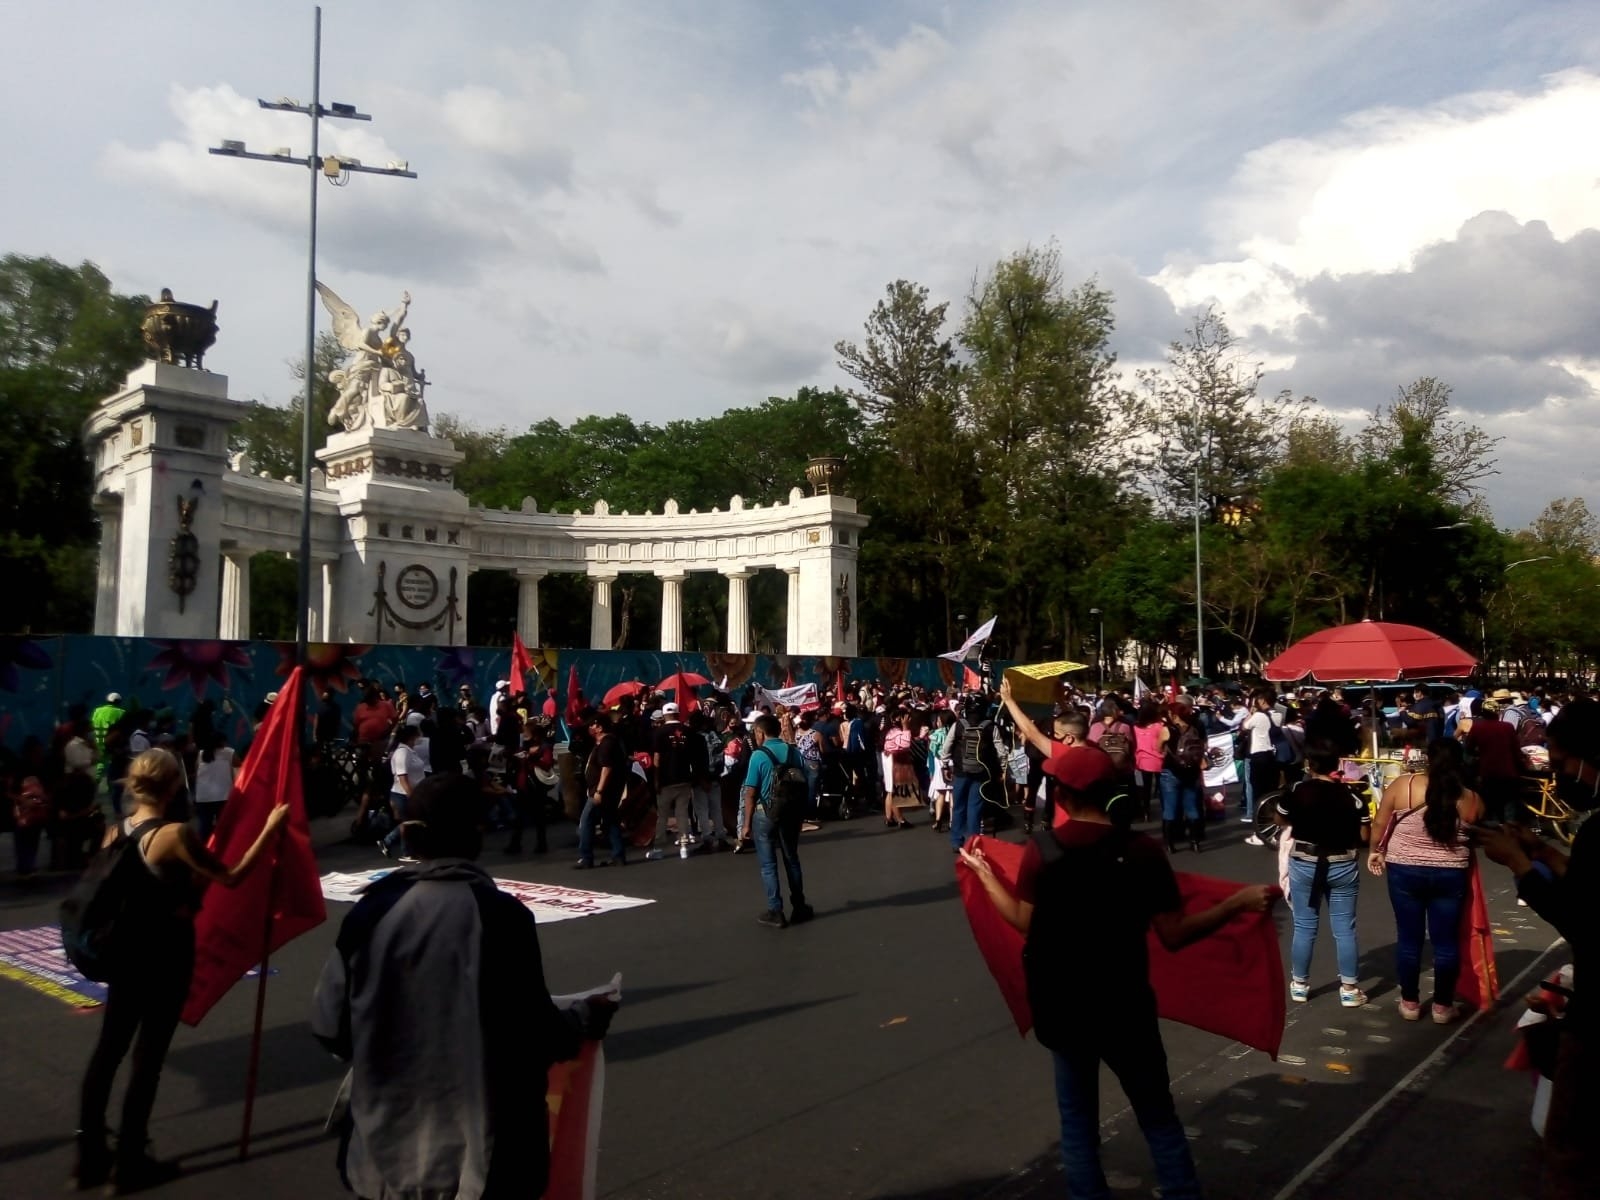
(1567, 527)
(904, 361)
(1204, 407)
(271, 435)
(1416, 428)
(67, 341)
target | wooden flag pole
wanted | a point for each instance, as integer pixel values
(254, 1067)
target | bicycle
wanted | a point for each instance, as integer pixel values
(1269, 807)
(1549, 811)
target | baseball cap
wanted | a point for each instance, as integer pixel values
(1080, 768)
(669, 709)
(270, 698)
(415, 718)
(501, 684)
(114, 698)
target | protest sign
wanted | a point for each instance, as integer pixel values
(547, 901)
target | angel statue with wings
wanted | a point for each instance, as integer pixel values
(379, 383)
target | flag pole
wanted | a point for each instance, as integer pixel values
(254, 1067)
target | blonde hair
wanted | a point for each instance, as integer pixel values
(154, 777)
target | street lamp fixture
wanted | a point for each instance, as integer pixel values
(1522, 561)
(337, 171)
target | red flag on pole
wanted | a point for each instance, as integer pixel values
(842, 695)
(521, 661)
(788, 677)
(574, 696)
(970, 680)
(1230, 983)
(239, 927)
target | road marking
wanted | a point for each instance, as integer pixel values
(1333, 1050)
(1238, 1146)
(1310, 1170)
(1240, 1093)
(1333, 1033)
(1292, 1060)
(1340, 1068)
(1291, 1102)
(1377, 1037)
(1244, 1119)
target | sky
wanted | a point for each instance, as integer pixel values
(673, 207)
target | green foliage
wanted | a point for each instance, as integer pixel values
(66, 341)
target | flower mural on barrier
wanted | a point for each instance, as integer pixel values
(330, 666)
(456, 666)
(23, 653)
(198, 663)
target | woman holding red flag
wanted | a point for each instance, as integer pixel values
(145, 996)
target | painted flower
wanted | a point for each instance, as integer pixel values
(456, 666)
(198, 663)
(16, 652)
(330, 666)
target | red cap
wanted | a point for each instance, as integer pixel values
(1080, 768)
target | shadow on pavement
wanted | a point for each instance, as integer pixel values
(624, 1044)
(285, 1064)
(930, 895)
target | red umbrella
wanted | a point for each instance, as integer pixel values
(623, 690)
(1375, 651)
(690, 679)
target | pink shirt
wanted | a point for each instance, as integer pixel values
(1147, 747)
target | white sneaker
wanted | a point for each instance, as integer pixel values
(1247, 820)
(1253, 840)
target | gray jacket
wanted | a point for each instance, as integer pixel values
(435, 995)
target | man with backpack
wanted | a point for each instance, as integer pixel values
(973, 761)
(775, 795)
(680, 762)
(1087, 894)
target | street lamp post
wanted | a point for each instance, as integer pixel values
(336, 170)
(1199, 586)
(1100, 651)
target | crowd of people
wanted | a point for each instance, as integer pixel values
(431, 778)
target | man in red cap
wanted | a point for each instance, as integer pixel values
(1087, 894)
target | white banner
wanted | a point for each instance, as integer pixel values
(979, 636)
(547, 901)
(790, 697)
(1220, 771)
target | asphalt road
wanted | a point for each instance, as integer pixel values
(865, 1055)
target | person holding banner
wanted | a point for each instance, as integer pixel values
(146, 995)
(435, 995)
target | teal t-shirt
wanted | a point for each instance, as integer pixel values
(761, 773)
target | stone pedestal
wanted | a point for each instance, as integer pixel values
(161, 445)
(402, 577)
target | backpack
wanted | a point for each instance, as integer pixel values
(713, 745)
(1530, 732)
(1071, 882)
(103, 905)
(1118, 747)
(1282, 747)
(791, 789)
(971, 749)
(1190, 752)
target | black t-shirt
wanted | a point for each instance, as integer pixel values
(1426, 716)
(828, 727)
(1327, 814)
(681, 754)
(610, 752)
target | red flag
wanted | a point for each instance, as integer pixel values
(281, 898)
(1479, 983)
(685, 695)
(1230, 983)
(788, 678)
(842, 695)
(521, 661)
(971, 681)
(574, 696)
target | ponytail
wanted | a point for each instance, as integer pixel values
(1446, 783)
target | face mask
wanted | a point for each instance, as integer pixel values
(1578, 794)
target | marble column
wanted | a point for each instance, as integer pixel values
(235, 619)
(528, 604)
(791, 642)
(319, 615)
(600, 636)
(672, 610)
(105, 598)
(738, 611)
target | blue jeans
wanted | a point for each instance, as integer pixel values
(1176, 793)
(594, 809)
(775, 838)
(395, 838)
(966, 810)
(1133, 1050)
(1431, 897)
(1344, 883)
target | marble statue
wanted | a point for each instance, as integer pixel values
(379, 383)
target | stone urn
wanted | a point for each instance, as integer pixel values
(179, 333)
(826, 475)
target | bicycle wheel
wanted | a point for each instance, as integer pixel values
(1267, 810)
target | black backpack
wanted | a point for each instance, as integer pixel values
(1190, 752)
(970, 748)
(1084, 912)
(791, 790)
(99, 910)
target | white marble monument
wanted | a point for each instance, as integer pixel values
(393, 542)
